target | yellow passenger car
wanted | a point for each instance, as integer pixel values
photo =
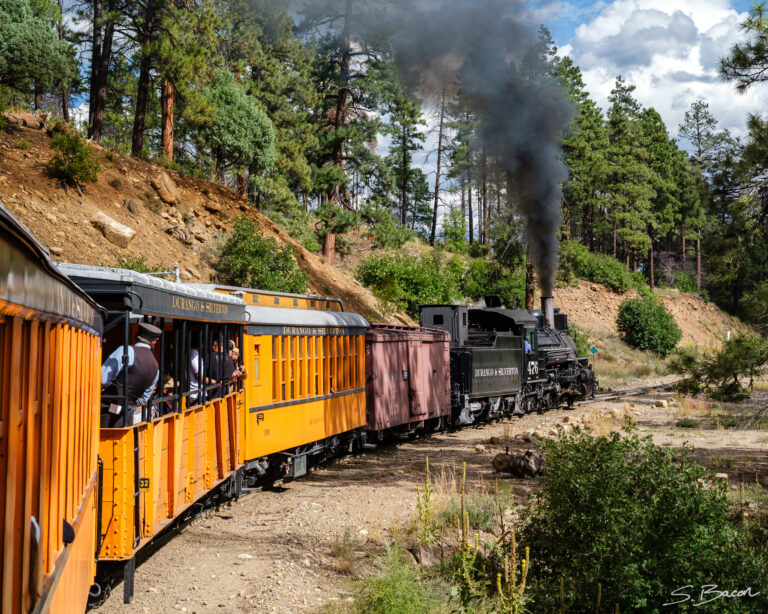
(183, 443)
(305, 385)
(49, 430)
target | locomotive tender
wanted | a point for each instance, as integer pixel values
(507, 361)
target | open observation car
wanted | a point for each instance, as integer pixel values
(186, 440)
(49, 430)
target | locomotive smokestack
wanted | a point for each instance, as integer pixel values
(548, 307)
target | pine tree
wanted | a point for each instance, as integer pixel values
(630, 178)
(33, 58)
(585, 149)
(403, 128)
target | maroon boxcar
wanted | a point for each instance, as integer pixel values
(407, 379)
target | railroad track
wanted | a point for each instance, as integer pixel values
(631, 392)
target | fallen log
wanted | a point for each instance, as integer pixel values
(523, 466)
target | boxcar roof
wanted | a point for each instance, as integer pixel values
(125, 289)
(29, 279)
(270, 317)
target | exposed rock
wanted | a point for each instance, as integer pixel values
(166, 189)
(115, 232)
(212, 206)
(134, 206)
(30, 120)
(721, 476)
(56, 251)
(526, 465)
(540, 435)
(479, 448)
(661, 403)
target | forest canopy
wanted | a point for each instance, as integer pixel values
(325, 116)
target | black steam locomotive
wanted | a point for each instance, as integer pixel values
(509, 361)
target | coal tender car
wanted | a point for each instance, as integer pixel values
(507, 361)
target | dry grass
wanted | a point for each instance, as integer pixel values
(687, 406)
(343, 550)
(617, 363)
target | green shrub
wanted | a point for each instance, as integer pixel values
(409, 281)
(685, 282)
(75, 161)
(299, 225)
(139, 263)
(484, 277)
(638, 521)
(581, 340)
(252, 260)
(728, 373)
(644, 323)
(686, 423)
(23, 144)
(577, 262)
(384, 230)
(481, 510)
(397, 589)
(755, 304)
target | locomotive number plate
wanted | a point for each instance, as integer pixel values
(143, 484)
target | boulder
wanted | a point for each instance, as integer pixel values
(212, 206)
(661, 403)
(479, 448)
(166, 189)
(115, 232)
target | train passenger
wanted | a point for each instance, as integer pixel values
(165, 407)
(234, 353)
(196, 375)
(528, 348)
(143, 372)
(222, 368)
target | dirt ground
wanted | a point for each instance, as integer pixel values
(273, 551)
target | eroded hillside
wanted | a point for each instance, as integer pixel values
(171, 219)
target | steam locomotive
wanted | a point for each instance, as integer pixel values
(509, 361)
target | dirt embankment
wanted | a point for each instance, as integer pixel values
(171, 219)
(595, 308)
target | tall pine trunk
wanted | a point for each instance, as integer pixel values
(682, 233)
(96, 43)
(530, 279)
(566, 220)
(139, 117)
(404, 181)
(167, 119)
(340, 114)
(64, 92)
(652, 267)
(485, 198)
(698, 261)
(142, 91)
(437, 170)
(100, 98)
(469, 208)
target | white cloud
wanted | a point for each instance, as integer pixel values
(668, 49)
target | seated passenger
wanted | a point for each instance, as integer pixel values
(142, 374)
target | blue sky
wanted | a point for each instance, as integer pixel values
(668, 49)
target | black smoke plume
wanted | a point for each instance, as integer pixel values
(493, 57)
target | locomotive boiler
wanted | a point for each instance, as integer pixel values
(509, 361)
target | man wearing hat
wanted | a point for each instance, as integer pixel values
(143, 372)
